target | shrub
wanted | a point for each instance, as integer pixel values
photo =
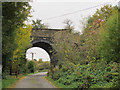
(31, 66)
(44, 65)
(92, 75)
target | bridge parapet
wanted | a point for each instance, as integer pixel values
(36, 38)
(45, 32)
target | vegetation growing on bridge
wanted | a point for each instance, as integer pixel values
(38, 25)
(90, 60)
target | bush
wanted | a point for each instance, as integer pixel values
(109, 44)
(31, 66)
(44, 65)
(5, 76)
(92, 75)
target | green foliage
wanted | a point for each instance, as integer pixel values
(37, 24)
(31, 66)
(67, 45)
(10, 81)
(4, 76)
(44, 65)
(44, 70)
(39, 61)
(93, 75)
(57, 84)
(91, 32)
(102, 15)
(13, 16)
(90, 60)
(110, 40)
(23, 42)
(6, 83)
(105, 12)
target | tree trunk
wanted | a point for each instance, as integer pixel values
(52, 71)
(16, 72)
(11, 68)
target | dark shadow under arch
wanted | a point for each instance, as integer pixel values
(47, 46)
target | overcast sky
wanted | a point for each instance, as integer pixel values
(55, 12)
(46, 10)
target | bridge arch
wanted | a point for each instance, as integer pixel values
(43, 38)
(47, 46)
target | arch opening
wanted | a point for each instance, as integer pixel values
(47, 46)
(36, 53)
(38, 60)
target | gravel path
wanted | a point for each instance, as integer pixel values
(34, 81)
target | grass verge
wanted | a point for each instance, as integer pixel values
(55, 83)
(9, 82)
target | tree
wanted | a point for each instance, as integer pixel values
(44, 65)
(100, 17)
(105, 12)
(13, 16)
(91, 32)
(38, 24)
(40, 61)
(23, 42)
(31, 66)
(110, 40)
(67, 45)
(69, 25)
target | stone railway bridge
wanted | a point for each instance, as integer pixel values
(43, 38)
